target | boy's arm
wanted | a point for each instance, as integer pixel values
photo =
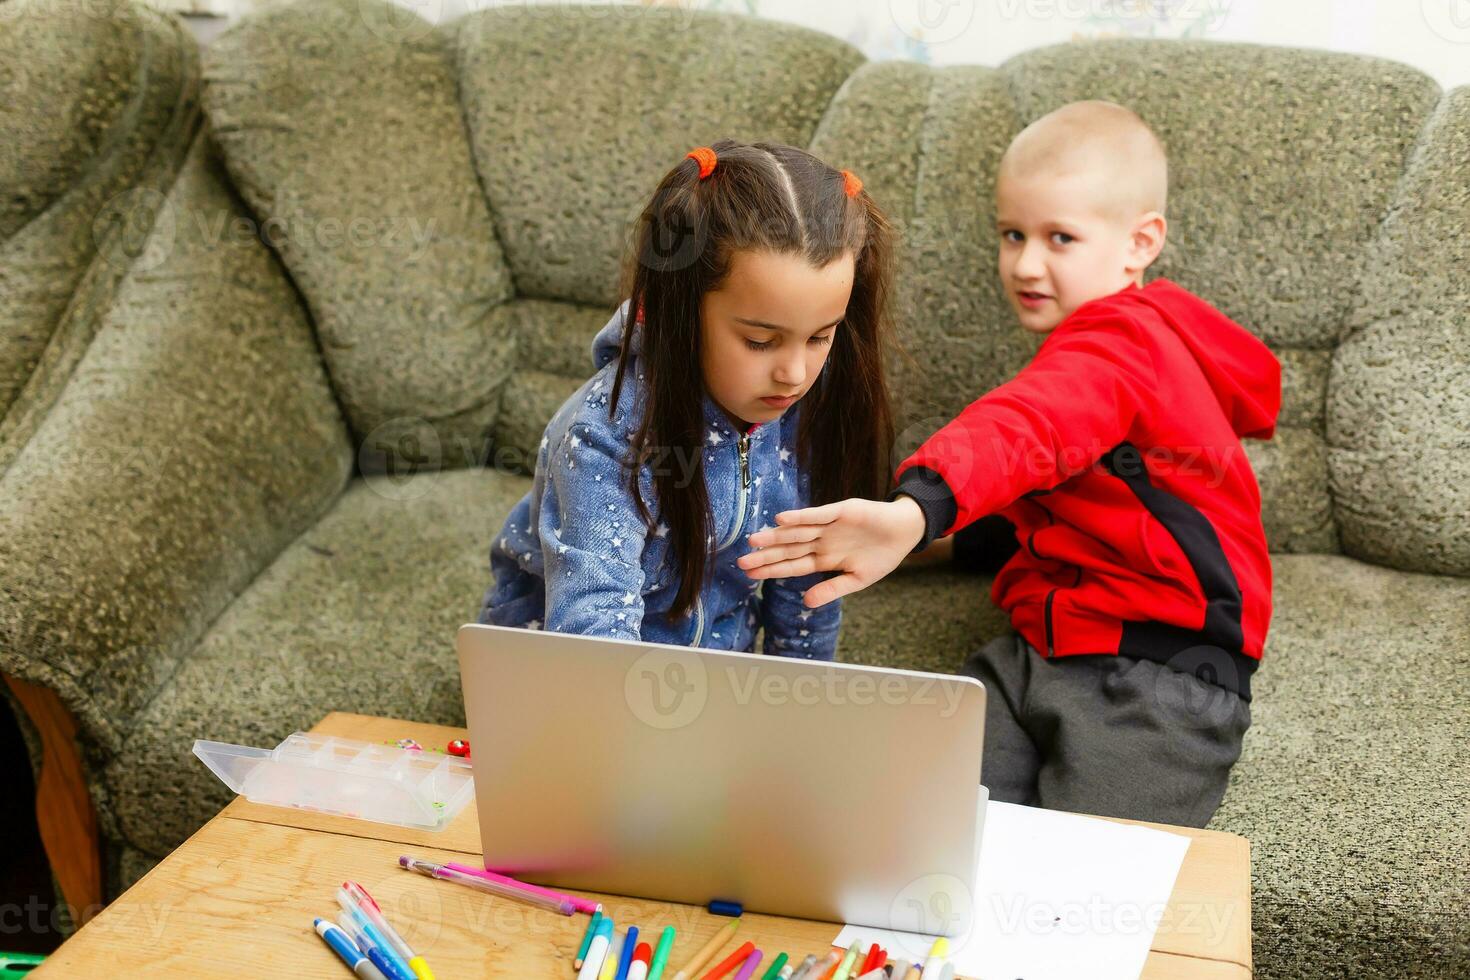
(592, 539)
(1075, 401)
(791, 629)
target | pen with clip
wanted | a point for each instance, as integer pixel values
(563, 906)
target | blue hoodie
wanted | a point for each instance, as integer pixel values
(575, 557)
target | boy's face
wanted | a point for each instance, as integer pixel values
(766, 332)
(1059, 250)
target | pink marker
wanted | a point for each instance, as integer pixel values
(751, 962)
(579, 904)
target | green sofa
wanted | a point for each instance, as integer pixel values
(267, 488)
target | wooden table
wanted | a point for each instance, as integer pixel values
(238, 897)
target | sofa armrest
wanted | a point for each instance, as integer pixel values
(98, 106)
(198, 436)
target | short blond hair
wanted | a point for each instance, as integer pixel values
(1101, 138)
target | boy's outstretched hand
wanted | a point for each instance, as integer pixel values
(862, 539)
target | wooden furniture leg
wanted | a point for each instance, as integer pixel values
(64, 813)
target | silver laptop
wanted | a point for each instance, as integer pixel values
(796, 787)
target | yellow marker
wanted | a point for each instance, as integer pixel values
(707, 953)
(614, 957)
(937, 955)
(844, 969)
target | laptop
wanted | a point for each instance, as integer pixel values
(802, 788)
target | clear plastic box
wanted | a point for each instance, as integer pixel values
(348, 778)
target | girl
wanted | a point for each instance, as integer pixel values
(749, 382)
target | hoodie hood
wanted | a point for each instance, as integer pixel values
(609, 340)
(1241, 370)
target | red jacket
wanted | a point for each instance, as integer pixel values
(1116, 454)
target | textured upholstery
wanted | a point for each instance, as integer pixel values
(98, 104)
(197, 437)
(267, 489)
(1398, 418)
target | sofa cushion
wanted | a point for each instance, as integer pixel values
(340, 125)
(1354, 780)
(358, 614)
(1399, 402)
(920, 619)
(569, 161)
(98, 105)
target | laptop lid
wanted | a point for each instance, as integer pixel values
(803, 788)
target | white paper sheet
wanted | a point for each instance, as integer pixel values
(1057, 895)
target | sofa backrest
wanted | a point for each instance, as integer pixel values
(523, 142)
(94, 130)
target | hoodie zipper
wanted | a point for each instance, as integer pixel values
(743, 496)
(740, 501)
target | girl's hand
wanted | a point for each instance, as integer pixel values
(863, 539)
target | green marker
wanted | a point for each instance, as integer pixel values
(661, 955)
(779, 962)
(592, 925)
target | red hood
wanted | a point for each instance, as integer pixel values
(1242, 372)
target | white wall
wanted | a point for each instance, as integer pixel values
(1432, 35)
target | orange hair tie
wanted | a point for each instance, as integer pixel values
(850, 183)
(706, 159)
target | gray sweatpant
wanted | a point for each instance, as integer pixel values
(1110, 735)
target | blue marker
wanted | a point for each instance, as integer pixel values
(344, 947)
(629, 945)
(370, 947)
(397, 967)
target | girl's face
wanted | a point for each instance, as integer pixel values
(766, 332)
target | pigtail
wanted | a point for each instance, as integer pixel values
(846, 433)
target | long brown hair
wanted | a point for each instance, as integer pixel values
(759, 197)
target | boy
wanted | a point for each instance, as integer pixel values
(1140, 593)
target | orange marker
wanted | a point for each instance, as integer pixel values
(731, 962)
